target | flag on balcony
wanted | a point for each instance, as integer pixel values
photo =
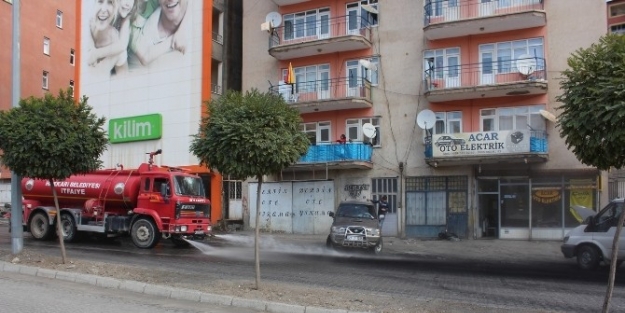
(290, 75)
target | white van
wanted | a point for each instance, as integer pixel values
(592, 241)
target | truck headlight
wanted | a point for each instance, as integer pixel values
(209, 228)
(183, 228)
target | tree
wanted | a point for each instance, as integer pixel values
(52, 138)
(250, 135)
(592, 119)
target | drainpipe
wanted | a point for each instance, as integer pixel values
(401, 215)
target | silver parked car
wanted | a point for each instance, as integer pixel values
(355, 225)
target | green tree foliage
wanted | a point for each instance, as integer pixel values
(592, 120)
(250, 135)
(52, 138)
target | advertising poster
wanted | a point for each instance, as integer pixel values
(142, 58)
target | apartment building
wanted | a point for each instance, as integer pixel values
(616, 16)
(448, 107)
(48, 55)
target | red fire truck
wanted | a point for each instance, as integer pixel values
(148, 203)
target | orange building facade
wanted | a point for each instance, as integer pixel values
(48, 55)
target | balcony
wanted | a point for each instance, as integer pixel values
(327, 95)
(526, 76)
(351, 155)
(323, 36)
(516, 146)
(456, 18)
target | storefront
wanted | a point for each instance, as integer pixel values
(537, 206)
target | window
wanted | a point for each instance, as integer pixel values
(439, 7)
(71, 87)
(72, 57)
(443, 63)
(317, 132)
(617, 9)
(448, 122)
(354, 130)
(59, 19)
(361, 14)
(386, 187)
(44, 83)
(372, 74)
(46, 45)
(500, 57)
(618, 29)
(233, 189)
(307, 24)
(512, 118)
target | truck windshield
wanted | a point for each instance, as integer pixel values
(189, 186)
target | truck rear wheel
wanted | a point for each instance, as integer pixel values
(40, 227)
(68, 226)
(144, 233)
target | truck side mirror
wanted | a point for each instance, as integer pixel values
(165, 190)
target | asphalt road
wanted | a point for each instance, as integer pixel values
(17, 290)
(548, 285)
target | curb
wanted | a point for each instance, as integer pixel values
(166, 291)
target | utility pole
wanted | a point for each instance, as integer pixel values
(17, 232)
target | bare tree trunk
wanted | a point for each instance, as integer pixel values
(613, 263)
(59, 227)
(257, 234)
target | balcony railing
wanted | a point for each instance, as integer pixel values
(218, 38)
(321, 28)
(327, 89)
(485, 73)
(348, 152)
(441, 11)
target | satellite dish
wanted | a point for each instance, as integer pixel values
(526, 64)
(548, 115)
(426, 119)
(274, 18)
(368, 130)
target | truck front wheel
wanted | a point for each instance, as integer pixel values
(40, 227)
(144, 233)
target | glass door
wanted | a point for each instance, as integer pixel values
(353, 19)
(487, 65)
(353, 78)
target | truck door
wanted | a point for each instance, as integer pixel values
(151, 197)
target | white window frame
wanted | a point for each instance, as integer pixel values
(441, 67)
(520, 117)
(353, 130)
(506, 52)
(72, 57)
(45, 80)
(322, 131)
(71, 86)
(46, 45)
(372, 75)
(59, 18)
(449, 121)
(299, 24)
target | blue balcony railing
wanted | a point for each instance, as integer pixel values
(322, 153)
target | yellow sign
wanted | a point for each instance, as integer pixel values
(582, 197)
(546, 196)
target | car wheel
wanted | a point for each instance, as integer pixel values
(377, 250)
(68, 227)
(144, 233)
(329, 243)
(587, 257)
(40, 227)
